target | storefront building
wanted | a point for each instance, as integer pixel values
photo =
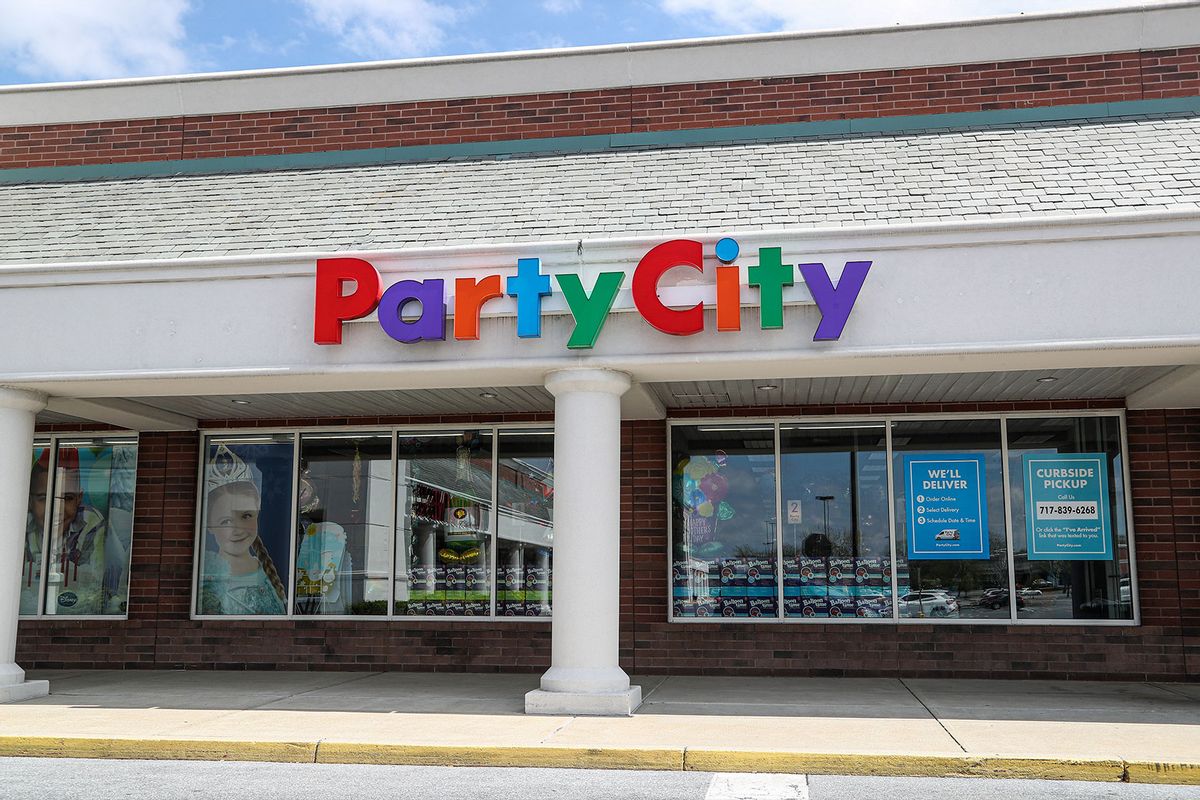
(862, 353)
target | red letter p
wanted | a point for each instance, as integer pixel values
(332, 307)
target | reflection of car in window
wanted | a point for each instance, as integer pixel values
(930, 603)
(950, 534)
(997, 598)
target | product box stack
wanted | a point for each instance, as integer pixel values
(837, 586)
(524, 591)
(732, 587)
(449, 590)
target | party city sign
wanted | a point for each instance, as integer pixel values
(412, 311)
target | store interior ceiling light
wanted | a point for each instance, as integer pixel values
(731, 428)
(488, 395)
(313, 437)
(240, 402)
(766, 387)
(1047, 379)
(856, 426)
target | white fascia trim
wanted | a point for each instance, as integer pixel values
(1145, 26)
(616, 252)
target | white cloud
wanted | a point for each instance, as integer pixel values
(561, 6)
(384, 28)
(78, 39)
(746, 16)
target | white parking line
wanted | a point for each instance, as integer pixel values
(741, 786)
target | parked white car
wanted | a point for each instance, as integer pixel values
(930, 604)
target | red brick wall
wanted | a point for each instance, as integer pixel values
(1164, 455)
(1183, 447)
(881, 93)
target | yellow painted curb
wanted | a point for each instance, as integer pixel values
(1155, 772)
(902, 765)
(673, 759)
(469, 756)
(157, 749)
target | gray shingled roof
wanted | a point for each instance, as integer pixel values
(1026, 170)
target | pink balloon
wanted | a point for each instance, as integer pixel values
(714, 486)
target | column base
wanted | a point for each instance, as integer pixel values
(27, 690)
(585, 704)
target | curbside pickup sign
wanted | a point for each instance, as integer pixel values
(1066, 507)
(947, 506)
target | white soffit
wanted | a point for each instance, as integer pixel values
(398, 403)
(1070, 384)
(1145, 27)
(969, 387)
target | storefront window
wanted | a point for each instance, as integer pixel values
(525, 523)
(443, 508)
(35, 529)
(343, 531)
(836, 545)
(723, 521)
(1070, 542)
(91, 525)
(950, 523)
(246, 525)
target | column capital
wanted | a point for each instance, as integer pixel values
(22, 399)
(588, 379)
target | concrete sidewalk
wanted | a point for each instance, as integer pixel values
(1047, 729)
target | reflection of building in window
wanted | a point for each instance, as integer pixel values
(89, 556)
(698, 585)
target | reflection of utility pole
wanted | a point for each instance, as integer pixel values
(825, 498)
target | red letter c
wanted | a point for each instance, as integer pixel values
(675, 253)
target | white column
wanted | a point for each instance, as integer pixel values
(584, 676)
(17, 411)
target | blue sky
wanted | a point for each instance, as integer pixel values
(60, 40)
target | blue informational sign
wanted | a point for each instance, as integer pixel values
(1066, 507)
(947, 506)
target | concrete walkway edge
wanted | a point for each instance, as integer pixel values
(704, 760)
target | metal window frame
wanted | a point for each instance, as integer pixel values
(888, 420)
(394, 431)
(51, 439)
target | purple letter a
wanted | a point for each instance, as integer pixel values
(430, 326)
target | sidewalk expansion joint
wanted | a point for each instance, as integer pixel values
(656, 687)
(546, 739)
(1170, 691)
(294, 695)
(932, 715)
